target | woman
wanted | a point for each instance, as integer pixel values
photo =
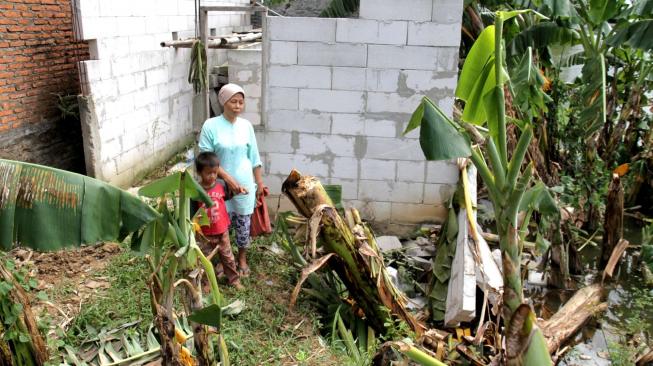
(232, 139)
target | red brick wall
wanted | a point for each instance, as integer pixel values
(38, 57)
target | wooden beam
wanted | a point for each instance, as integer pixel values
(564, 324)
(249, 9)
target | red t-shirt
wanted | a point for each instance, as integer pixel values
(218, 213)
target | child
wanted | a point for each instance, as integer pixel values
(217, 233)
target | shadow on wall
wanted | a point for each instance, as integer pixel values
(57, 144)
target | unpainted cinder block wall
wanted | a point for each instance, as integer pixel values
(138, 105)
(338, 94)
(245, 69)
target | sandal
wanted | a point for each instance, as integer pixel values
(219, 271)
(243, 272)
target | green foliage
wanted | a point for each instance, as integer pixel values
(115, 347)
(340, 9)
(127, 276)
(647, 246)
(67, 208)
(592, 95)
(484, 71)
(267, 332)
(171, 239)
(638, 34)
(446, 250)
(68, 106)
(442, 139)
(10, 312)
(528, 85)
(539, 198)
(635, 322)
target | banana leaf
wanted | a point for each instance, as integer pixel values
(48, 209)
(540, 199)
(602, 10)
(637, 34)
(593, 96)
(528, 84)
(171, 184)
(525, 343)
(439, 137)
(558, 8)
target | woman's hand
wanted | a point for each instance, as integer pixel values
(259, 189)
(232, 184)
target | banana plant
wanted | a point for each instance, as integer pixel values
(481, 86)
(174, 263)
(48, 209)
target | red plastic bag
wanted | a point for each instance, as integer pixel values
(260, 218)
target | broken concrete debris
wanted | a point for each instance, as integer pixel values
(388, 243)
(461, 295)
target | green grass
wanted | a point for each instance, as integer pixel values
(266, 332)
(126, 301)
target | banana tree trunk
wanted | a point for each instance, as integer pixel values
(33, 352)
(164, 322)
(193, 302)
(559, 275)
(511, 259)
(358, 264)
(614, 220)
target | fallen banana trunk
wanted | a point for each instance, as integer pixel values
(34, 351)
(572, 316)
(357, 260)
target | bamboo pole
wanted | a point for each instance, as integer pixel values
(215, 42)
(204, 34)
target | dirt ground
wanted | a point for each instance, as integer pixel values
(71, 270)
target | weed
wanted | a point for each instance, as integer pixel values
(125, 301)
(622, 354)
(68, 106)
(267, 332)
(635, 326)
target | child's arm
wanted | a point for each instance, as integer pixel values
(231, 183)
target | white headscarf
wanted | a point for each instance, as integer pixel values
(228, 91)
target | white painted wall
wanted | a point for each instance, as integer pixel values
(140, 104)
(338, 94)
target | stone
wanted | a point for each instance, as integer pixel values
(388, 243)
(536, 278)
(416, 303)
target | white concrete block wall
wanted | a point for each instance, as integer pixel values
(338, 93)
(142, 99)
(245, 69)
